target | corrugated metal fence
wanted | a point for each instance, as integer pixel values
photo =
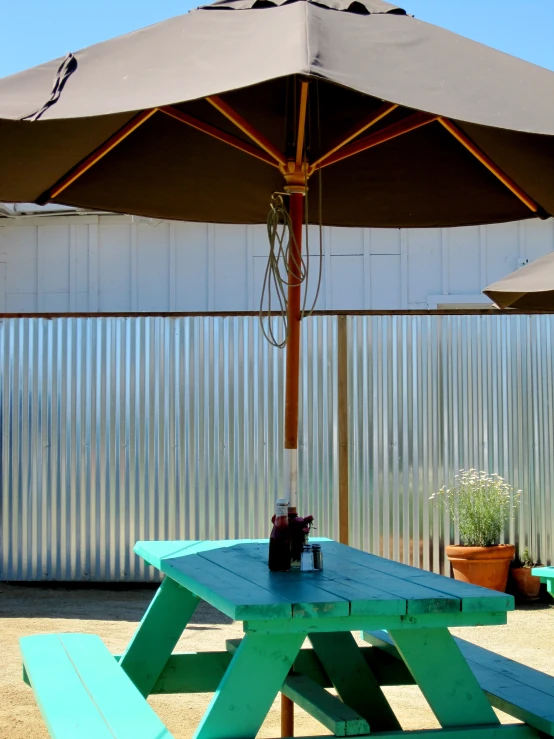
(118, 429)
(433, 394)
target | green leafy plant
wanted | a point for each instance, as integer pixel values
(480, 504)
(525, 559)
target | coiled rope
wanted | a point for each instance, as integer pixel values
(282, 272)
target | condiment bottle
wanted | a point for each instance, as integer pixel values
(318, 556)
(279, 541)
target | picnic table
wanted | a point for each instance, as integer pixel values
(546, 575)
(405, 612)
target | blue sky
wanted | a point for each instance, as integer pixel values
(34, 31)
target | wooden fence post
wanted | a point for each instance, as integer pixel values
(342, 398)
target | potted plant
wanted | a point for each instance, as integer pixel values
(527, 585)
(480, 505)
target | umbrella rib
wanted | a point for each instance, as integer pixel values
(101, 152)
(242, 124)
(218, 134)
(488, 163)
(390, 132)
(301, 124)
(359, 129)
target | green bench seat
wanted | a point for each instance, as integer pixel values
(83, 693)
(516, 689)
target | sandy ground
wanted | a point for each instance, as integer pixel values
(114, 614)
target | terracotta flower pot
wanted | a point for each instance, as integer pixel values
(527, 585)
(484, 566)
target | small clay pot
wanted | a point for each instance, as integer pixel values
(484, 566)
(527, 585)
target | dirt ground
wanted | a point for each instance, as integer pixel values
(114, 614)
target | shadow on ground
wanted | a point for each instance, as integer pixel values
(64, 600)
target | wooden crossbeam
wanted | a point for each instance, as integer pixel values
(326, 708)
(101, 152)
(357, 130)
(216, 133)
(301, 135)
(488, 163)
(386, 134)
(242, 124)
(201, 672)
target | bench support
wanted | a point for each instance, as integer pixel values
(353, 679)
(253, 679)
(338, 717)
(435, 661)
(158, 633)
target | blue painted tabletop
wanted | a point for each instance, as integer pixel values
(234, 577)
(545, 573)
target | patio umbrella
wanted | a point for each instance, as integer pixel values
(531, 287)
(389, 121)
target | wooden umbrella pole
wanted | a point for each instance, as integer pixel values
(293, 347)
(292, 378)
(287, 716)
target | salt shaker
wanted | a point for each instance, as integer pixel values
(307, 559)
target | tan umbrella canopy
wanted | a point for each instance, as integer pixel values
(531, 287)
(197, 117)
(389, 121)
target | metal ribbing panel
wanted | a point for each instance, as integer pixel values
(430, 395)
(117, 429)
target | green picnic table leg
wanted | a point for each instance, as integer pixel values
(158, 633)
(353, 679)
(249, 686)
(445, 679)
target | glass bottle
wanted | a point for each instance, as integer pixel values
(279, 541)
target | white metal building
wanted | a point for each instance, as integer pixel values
(56, 260)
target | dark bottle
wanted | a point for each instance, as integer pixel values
(279, 541)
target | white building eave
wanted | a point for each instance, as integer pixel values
(22, 210)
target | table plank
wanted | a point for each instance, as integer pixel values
(473, 597)
(249, 563)
(352, 583)
(155, 552)
(506, 667)
(373, 622)
(419, 599)
(229, 593)
(364, 598)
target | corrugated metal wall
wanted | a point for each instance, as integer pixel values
(117, 429)
(433, 394)
(114, 429)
